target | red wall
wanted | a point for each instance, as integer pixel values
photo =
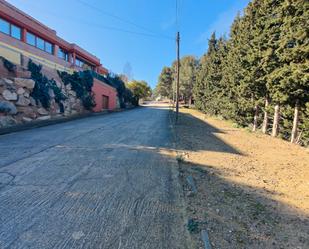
(99, 89)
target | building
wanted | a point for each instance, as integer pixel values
(22, 38)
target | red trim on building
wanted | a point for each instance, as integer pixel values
(29, 24)
(105, 95)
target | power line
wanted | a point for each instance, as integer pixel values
(121, 19)
(124, 30)
(157, 36)
(51, 13)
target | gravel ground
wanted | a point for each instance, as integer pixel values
(253, 190)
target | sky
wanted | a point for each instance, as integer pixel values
(136, 37)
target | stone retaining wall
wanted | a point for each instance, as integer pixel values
(18, 107)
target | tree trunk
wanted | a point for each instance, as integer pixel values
(295, 123)
(255, 120)
(265, 121)
(276, 121)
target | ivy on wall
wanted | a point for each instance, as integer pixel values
(8, 65)
(41, 90)
(125, 95)
(81, 83)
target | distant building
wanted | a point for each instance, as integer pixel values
(23, 37)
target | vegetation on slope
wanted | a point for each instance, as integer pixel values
(259, 76)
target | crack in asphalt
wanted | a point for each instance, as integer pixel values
(101, 188)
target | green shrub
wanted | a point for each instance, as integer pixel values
(193, 226)
(43, 85)
(81, 83)
(59, 96)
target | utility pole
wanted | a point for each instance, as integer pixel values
(177, 79)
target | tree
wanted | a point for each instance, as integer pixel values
(272, 22)
(261, 70)
(232, 73)
(187, 77)
(165, 82)
(207, 78)
(293, 53)
(139, 89)
(209, 92)
(255, 17)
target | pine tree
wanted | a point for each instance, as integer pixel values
(199, 87)
(208, 89)
(236, 74)
(262, 67)
(164, 86)
(293, 53)
(231, 71)
(273, 21)
(187, 77)
(257, 14)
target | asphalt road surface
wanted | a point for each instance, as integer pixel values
(100, 182)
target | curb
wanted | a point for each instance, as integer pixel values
(190, 241)
(205, 239)
(190, 181)
(53, 121)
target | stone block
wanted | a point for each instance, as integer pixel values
(42, 111)
(6, 121)
(8, 108)
(8, 95)
(23, 101)
(27, 83)
(44, 118)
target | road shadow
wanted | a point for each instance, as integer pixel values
(208, 140)
(134, 169)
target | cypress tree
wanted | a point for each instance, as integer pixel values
(293, 53)
(208, 91)
(232, 71)
(262, 67)
(201, 90)
(273, 21)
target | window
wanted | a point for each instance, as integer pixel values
(15, 32)
(10, 29)
(63, 54)
(79, 62)
(40, 43)
(48, 47)
(30, 39)
(86, 66)
(4, 27)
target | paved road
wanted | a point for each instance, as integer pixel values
(100, 182)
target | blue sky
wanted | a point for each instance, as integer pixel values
(90, 27)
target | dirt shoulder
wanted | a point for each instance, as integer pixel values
(253, 190)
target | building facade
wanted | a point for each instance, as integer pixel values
(23, 37)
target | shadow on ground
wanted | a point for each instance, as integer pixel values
(235, 215)
(111, 177)
(210, 141)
